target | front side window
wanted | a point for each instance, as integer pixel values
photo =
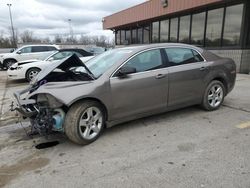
(180, 56)
(26, 50)
(146, 61)
(232, 26)
(198, 27)
(214, 27)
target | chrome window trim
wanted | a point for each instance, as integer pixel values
(156, 48)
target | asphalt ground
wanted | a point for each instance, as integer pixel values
(184, 148)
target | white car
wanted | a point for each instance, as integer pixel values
(29, 69)
(38, 52)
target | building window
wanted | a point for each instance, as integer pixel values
(248, 37)
(117, 37)
(198, 28)
(174, 30)
(164, 31)
(146, 34)
(232, 26)
(122, 36)
(214, 27)
(128, 35)
(134, 36)
(155, 32)
(184, 29)
(140, 36)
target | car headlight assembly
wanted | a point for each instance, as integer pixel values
(48, 100)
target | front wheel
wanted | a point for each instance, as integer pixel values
(84, 122)
(213, 96)
(32, 73)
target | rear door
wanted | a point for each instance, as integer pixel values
(143, 91)
(187, 74)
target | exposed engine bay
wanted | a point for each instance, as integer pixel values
(45, 112)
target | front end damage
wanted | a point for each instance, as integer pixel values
(45, 112)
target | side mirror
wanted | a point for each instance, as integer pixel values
(124, 71)
(12, 50)
(19, 52)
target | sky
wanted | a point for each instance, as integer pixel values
(47, 18)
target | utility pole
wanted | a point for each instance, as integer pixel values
(70, 30)
(12, 28)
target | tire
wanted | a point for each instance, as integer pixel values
(214, 95)
(31, 73)
(8, 63)
(82, 128)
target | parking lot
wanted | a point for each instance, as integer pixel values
(185, 148)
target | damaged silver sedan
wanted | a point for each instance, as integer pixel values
(121, 85)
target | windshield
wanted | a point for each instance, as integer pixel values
(61, 55)
(103, 62)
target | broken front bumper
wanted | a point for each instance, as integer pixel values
(23, 106)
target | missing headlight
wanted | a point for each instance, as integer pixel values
(48, 100)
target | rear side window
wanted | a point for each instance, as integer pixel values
(39, 49)
(180, 56)
(146, 61)
(51, 48)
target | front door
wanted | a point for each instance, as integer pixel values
(143, 91)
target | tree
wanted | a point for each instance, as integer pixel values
(27, 36)
(58, 39)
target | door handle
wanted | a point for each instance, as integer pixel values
(160, 76)
(203, 68)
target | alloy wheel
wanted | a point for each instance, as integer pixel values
(33, 74)
(90, 123)
(215, 95)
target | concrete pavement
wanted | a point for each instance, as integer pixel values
(185, 148)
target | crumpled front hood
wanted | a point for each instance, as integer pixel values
(64, 91)
(64, 65)
(60, 85)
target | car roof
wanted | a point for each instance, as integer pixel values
(160, 45)
(79, 50)
(38, 45)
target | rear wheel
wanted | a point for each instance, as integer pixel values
(32, 73)
(213, 96)
(84, 122)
